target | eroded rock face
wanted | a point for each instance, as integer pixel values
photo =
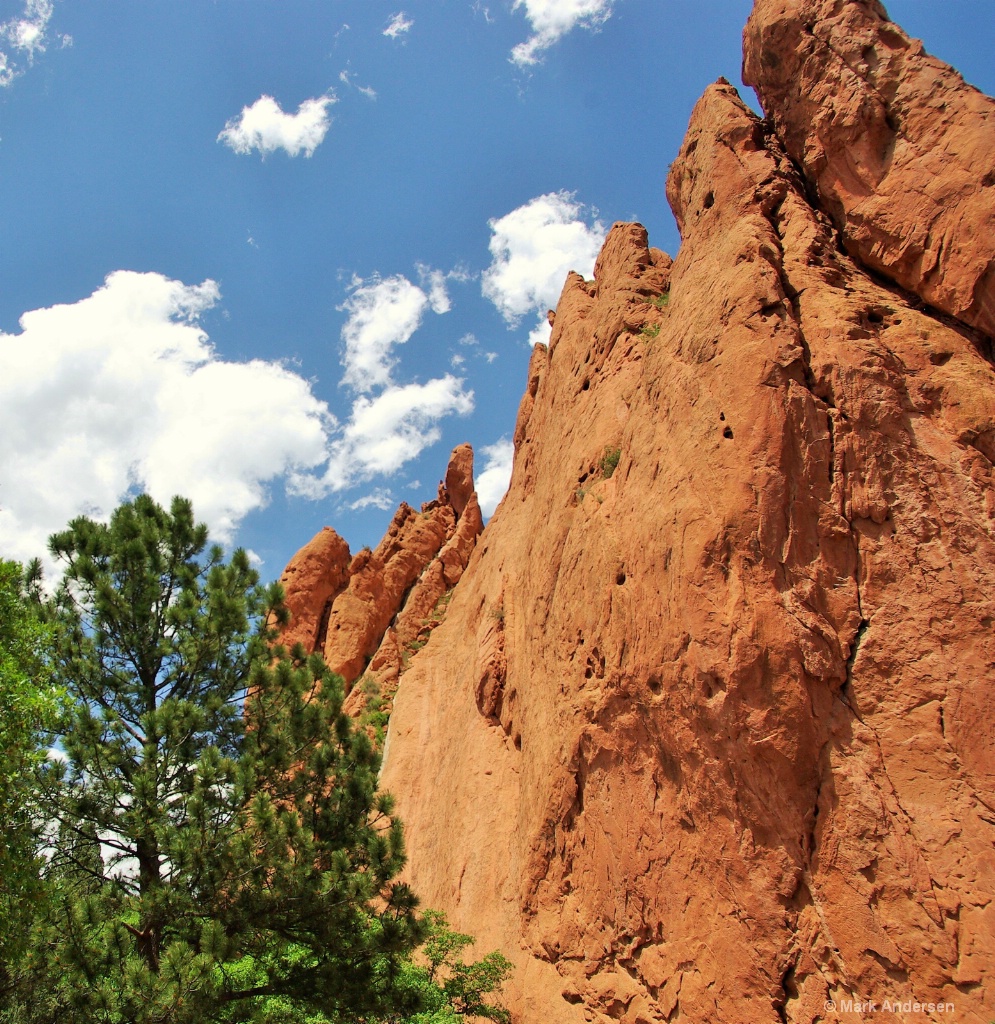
(370, 610)
(898, 148)
(311, 581)
(710, 732)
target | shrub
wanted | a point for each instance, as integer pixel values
(608, 462)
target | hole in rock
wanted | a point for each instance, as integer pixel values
(620, 578)
(709, 200)
(727, 433)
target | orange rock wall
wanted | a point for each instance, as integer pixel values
(897, 148)
(711, 739)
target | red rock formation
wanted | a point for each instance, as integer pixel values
(311, 581)
(711, 735)
(378, 583)
(897, 147)
(374, 609)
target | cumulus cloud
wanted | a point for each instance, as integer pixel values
(122, 390)
(382, 313)
(492, 482)
(266, 128)
(553, 19)
(533, 248)
(398, 25)
(386, 431)
(380, 497)
(389, 423)
(28, 36)
(435, 283)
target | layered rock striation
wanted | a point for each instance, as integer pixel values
(710, 718)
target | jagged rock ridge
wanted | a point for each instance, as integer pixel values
(711, 735)
(366, 614)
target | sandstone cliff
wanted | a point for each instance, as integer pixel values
(897, 149)
(709, 718)
(367, 614)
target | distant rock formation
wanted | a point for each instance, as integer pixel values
(367, 614)
(707, 733)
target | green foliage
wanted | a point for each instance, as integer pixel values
(374, 715)
(650, 331)
(438, 981)
(661, 301)
(439, 611)
(451, 988)
(27, 703)
(218, 847)
(608, 462)
(28, 707)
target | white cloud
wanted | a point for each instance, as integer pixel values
(553, 19)
(383, 312)
(533, 248)
(435, 283)
(386, 431)
(390, 423)
(123, 390)
(28, 32)
(27, 35)
(398, 25)
(380, 498)
(492, 482)
(541, 333)
(265, 127)
(346, 78)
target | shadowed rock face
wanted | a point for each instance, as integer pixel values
(709, 737)
(900, 152)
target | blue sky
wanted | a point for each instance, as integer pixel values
(282, 256)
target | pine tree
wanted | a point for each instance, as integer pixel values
(28, 704)
(219, 850)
